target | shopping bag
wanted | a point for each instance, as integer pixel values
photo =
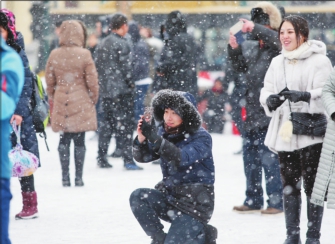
(24, 163)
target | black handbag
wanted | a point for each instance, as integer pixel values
(309, 124)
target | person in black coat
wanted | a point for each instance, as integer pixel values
(22, 115)
(185, 196)
(113, 62)
(177, 68)
(253, 57)
(216, 98)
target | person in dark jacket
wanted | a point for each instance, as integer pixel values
(177, 69)
(140, 68)
(216, 98)
(12, 79)
(23, 115)
(253, 58)
(113, 64)
(185, 196)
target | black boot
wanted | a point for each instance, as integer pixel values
(292, 209)
(79, 158)
(102, 152)
(314, 215)
(211, 234)
(158, 239)
(64, 156)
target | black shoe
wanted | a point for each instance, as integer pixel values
(116, 154)
(78, 182)
(103, 163)
(159, 239)
(66, 181)
(211, 234)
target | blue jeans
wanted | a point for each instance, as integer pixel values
(150, 205)
(6, 196)
(141, 92)
(257, 156)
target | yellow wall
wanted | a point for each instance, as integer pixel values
(22, 16)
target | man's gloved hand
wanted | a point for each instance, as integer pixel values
(273, 102)
(296, 96)
(149, 131)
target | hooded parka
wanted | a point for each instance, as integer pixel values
(186, 158)
(179, 57)
(72, 82)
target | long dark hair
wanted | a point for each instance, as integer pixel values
(300, 26)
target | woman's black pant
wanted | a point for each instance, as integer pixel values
(299, 163)
(78, 139)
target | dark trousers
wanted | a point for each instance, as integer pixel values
(300, 163)
(78, 139)
(119, 119)
(257, 156)
(150, 205)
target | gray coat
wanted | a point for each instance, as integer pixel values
(325, 177)
(113, 62)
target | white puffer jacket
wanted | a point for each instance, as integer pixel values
(307, 69)
(325, 177)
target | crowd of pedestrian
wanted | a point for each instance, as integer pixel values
(122, 78)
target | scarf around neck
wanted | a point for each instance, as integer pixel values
(176, 130)
(294, 54)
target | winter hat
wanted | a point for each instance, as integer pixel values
(10, 21)
(183, 103)
(265, 13)
(176, 23)
(134, 31)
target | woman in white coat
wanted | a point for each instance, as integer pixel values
(301, 69)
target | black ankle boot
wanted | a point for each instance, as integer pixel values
(314, 215)
(64, 156)
(158, 239)
(79, 158)
(211, 234)
(292, 209)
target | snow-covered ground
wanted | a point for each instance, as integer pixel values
(99, 212)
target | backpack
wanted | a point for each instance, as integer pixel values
(40, 107)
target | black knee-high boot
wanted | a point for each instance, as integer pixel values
(292, 209)
(79, 158)
(64, 156)
(314, 215)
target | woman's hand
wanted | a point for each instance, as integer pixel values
(17, 118)
(141, 138)
(248, 25)
(232, 41)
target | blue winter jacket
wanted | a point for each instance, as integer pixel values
(28, 134)
(12, 79)
(186, 157)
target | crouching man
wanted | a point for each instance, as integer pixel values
(185, 196)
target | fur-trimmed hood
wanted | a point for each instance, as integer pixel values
(183, 103)
(274, 13)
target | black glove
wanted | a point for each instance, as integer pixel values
(273, 102)
(149, 131)
(296, 96)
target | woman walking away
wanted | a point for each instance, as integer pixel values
(72, 84)
(185, 196)
(292, 90)
(22, 114)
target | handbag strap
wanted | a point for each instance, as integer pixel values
(17, 131)
(289, 104)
